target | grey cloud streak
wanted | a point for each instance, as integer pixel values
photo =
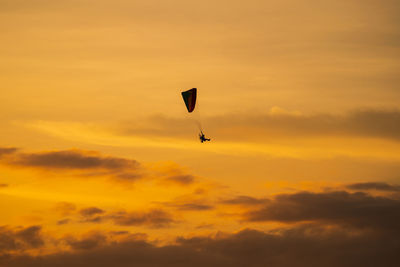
(155, 218)
(359, 123)
(380, 186)
(72, 159)
(85, 163)
(7, 150)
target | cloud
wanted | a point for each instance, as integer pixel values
(7, 150)
(17, 239)
(184, 179)
(256, 126)
(85, 163)
(92, 214)
(374, 186)
(89, 212)
(244, 200)
(73, 159)
(191, 206)
(307, 245)
(63, 221)
(90, 241)
(93, 164)
(154, 218)
(3, 185)
(338, 207)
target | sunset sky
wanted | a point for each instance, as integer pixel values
(100, 162)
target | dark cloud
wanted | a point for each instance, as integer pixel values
(7, 150)
(15, 239)
(185, 204)
(31, 236)
(192, 206)
(92, 215)
(355, 209)
(128, 176)
(91, 164)
(153, 218)
(119, 232)
(91, 241)
(93, 219)
(88, 212)
(86, 163)
(73, 159)
(63, 221)
(244, 200)
(374, 186)
(308, 245)
(181, 179)
(3, 185)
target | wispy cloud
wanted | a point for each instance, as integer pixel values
(88, 164)
(7, 150)
(74, 160)
(279, 123)
(379, 186)
(154, 218)
(292, 136)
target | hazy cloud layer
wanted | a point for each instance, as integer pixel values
(330, 228)
(73, 159)
(86, 163)
(93, 164)
(63, 221)
(281, 123)
(7, 150)
(190, 205)
(309, 245)
(379, 186)
(154, 218)
(244, 200)
(182, 179)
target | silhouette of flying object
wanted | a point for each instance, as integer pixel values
(203, 138)
(189, 97)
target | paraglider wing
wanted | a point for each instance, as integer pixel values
(189, 97)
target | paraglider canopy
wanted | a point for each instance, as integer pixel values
(189, 97)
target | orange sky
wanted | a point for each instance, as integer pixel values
(97, 151)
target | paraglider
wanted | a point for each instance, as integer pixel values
(203, 138)
(189, 97)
